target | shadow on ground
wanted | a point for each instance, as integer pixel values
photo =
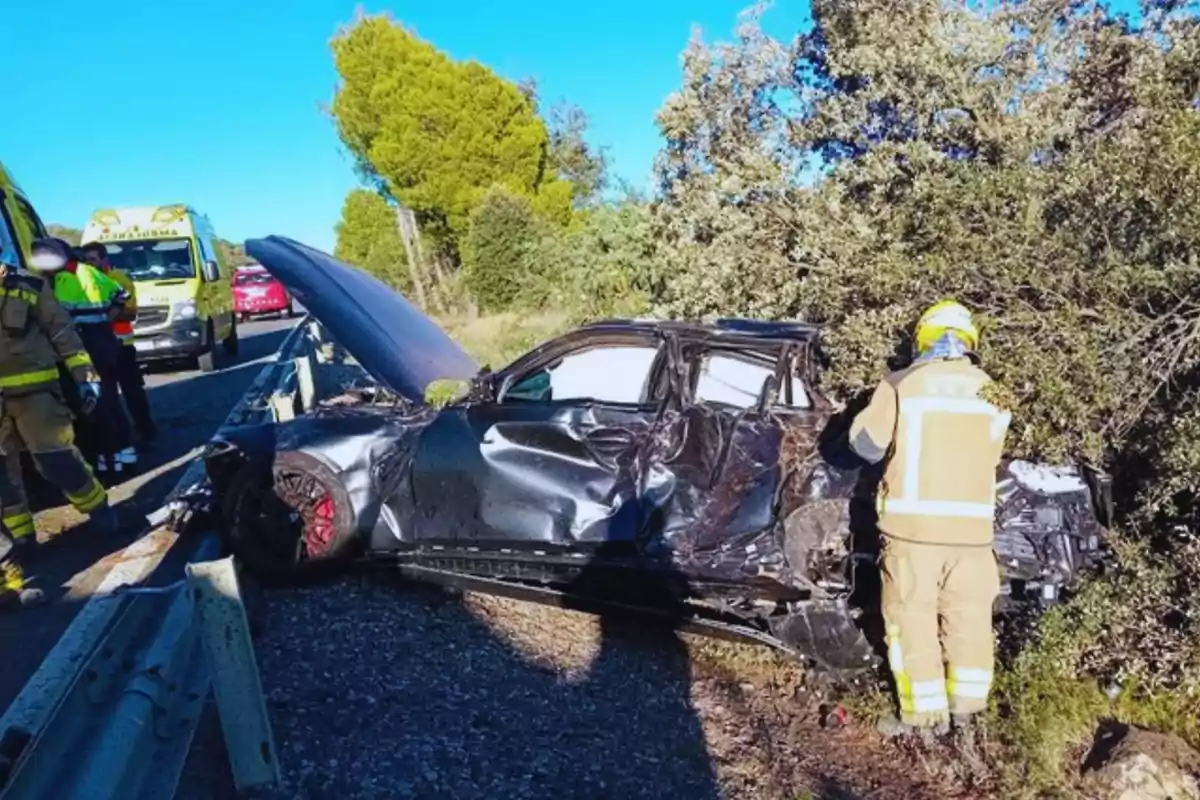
(407, 692)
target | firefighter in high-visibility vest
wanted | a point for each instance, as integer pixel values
(941, 444)
(36, 336)
(93, 301)
(129, 373)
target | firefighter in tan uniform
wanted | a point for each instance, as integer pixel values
(941, 444)
(36, 335)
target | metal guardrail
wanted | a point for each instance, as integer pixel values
(113, 708)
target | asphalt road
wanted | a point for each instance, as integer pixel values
(188, 406)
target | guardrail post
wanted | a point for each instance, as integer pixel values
(221, 617)
(283, 406)
(304, 382)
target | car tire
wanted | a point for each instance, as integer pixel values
(207, 360)
(231, 341)
(291, 310)
(289, 520)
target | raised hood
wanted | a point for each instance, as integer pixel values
(401, 347)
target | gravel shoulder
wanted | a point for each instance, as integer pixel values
(377, 689)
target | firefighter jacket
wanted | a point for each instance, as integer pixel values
(941, 444)
(88, 294)
(35, 335)
(123, 325)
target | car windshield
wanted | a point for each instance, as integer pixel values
(152, 259)
(250, 278)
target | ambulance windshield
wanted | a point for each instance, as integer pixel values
(153, 259)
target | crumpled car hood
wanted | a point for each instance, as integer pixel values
(391, 338)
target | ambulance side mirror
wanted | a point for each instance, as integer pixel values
(212, 273)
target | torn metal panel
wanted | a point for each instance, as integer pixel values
(1047, 530)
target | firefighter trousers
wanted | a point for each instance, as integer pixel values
(108, 426)
(937, 607)
(41, 423)
(133, 389)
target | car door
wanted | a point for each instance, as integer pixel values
(550, 463)
(213, 292)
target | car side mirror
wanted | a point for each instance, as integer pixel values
(483, 387)
(212, 272)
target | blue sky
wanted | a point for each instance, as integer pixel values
(217, 104)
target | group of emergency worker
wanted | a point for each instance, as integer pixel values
(65, 361)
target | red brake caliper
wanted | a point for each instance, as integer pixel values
(318, 528)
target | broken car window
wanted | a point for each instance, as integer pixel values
(612, 374)
(737, 382)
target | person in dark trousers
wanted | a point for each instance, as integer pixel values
(93, 301)
(129, 373)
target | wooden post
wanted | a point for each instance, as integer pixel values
(407, 223)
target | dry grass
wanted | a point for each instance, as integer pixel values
(497, 339)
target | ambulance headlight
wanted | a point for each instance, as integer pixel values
(185, 310)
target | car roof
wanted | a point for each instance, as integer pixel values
(733, 327)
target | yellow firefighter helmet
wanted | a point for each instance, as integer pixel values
(948, 316)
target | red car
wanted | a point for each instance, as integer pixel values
(256, 292)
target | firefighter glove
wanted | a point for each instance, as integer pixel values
(89, 396)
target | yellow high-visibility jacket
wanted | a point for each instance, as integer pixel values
(35, 334)
(88, 294)
(941, 443)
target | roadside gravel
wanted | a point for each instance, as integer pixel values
(378, 690)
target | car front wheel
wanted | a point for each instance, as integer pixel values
(231, 341)
(206, 360)
(288, 520)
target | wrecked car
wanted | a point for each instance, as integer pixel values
(684, 470)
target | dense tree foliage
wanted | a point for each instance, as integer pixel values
(502, 231)
(436, 134)
(235, 254)
(369, 238)
(1038, 162)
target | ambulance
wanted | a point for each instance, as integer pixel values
(19, 223)
(184, 286)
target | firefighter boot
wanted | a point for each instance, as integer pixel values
(103, 521)
(25, 548)
(966, 741)
(892, 728)
(15, 593)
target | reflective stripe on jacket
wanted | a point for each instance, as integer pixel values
(35, 335)
(942, 444)
(88, 294)
(123, 325)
